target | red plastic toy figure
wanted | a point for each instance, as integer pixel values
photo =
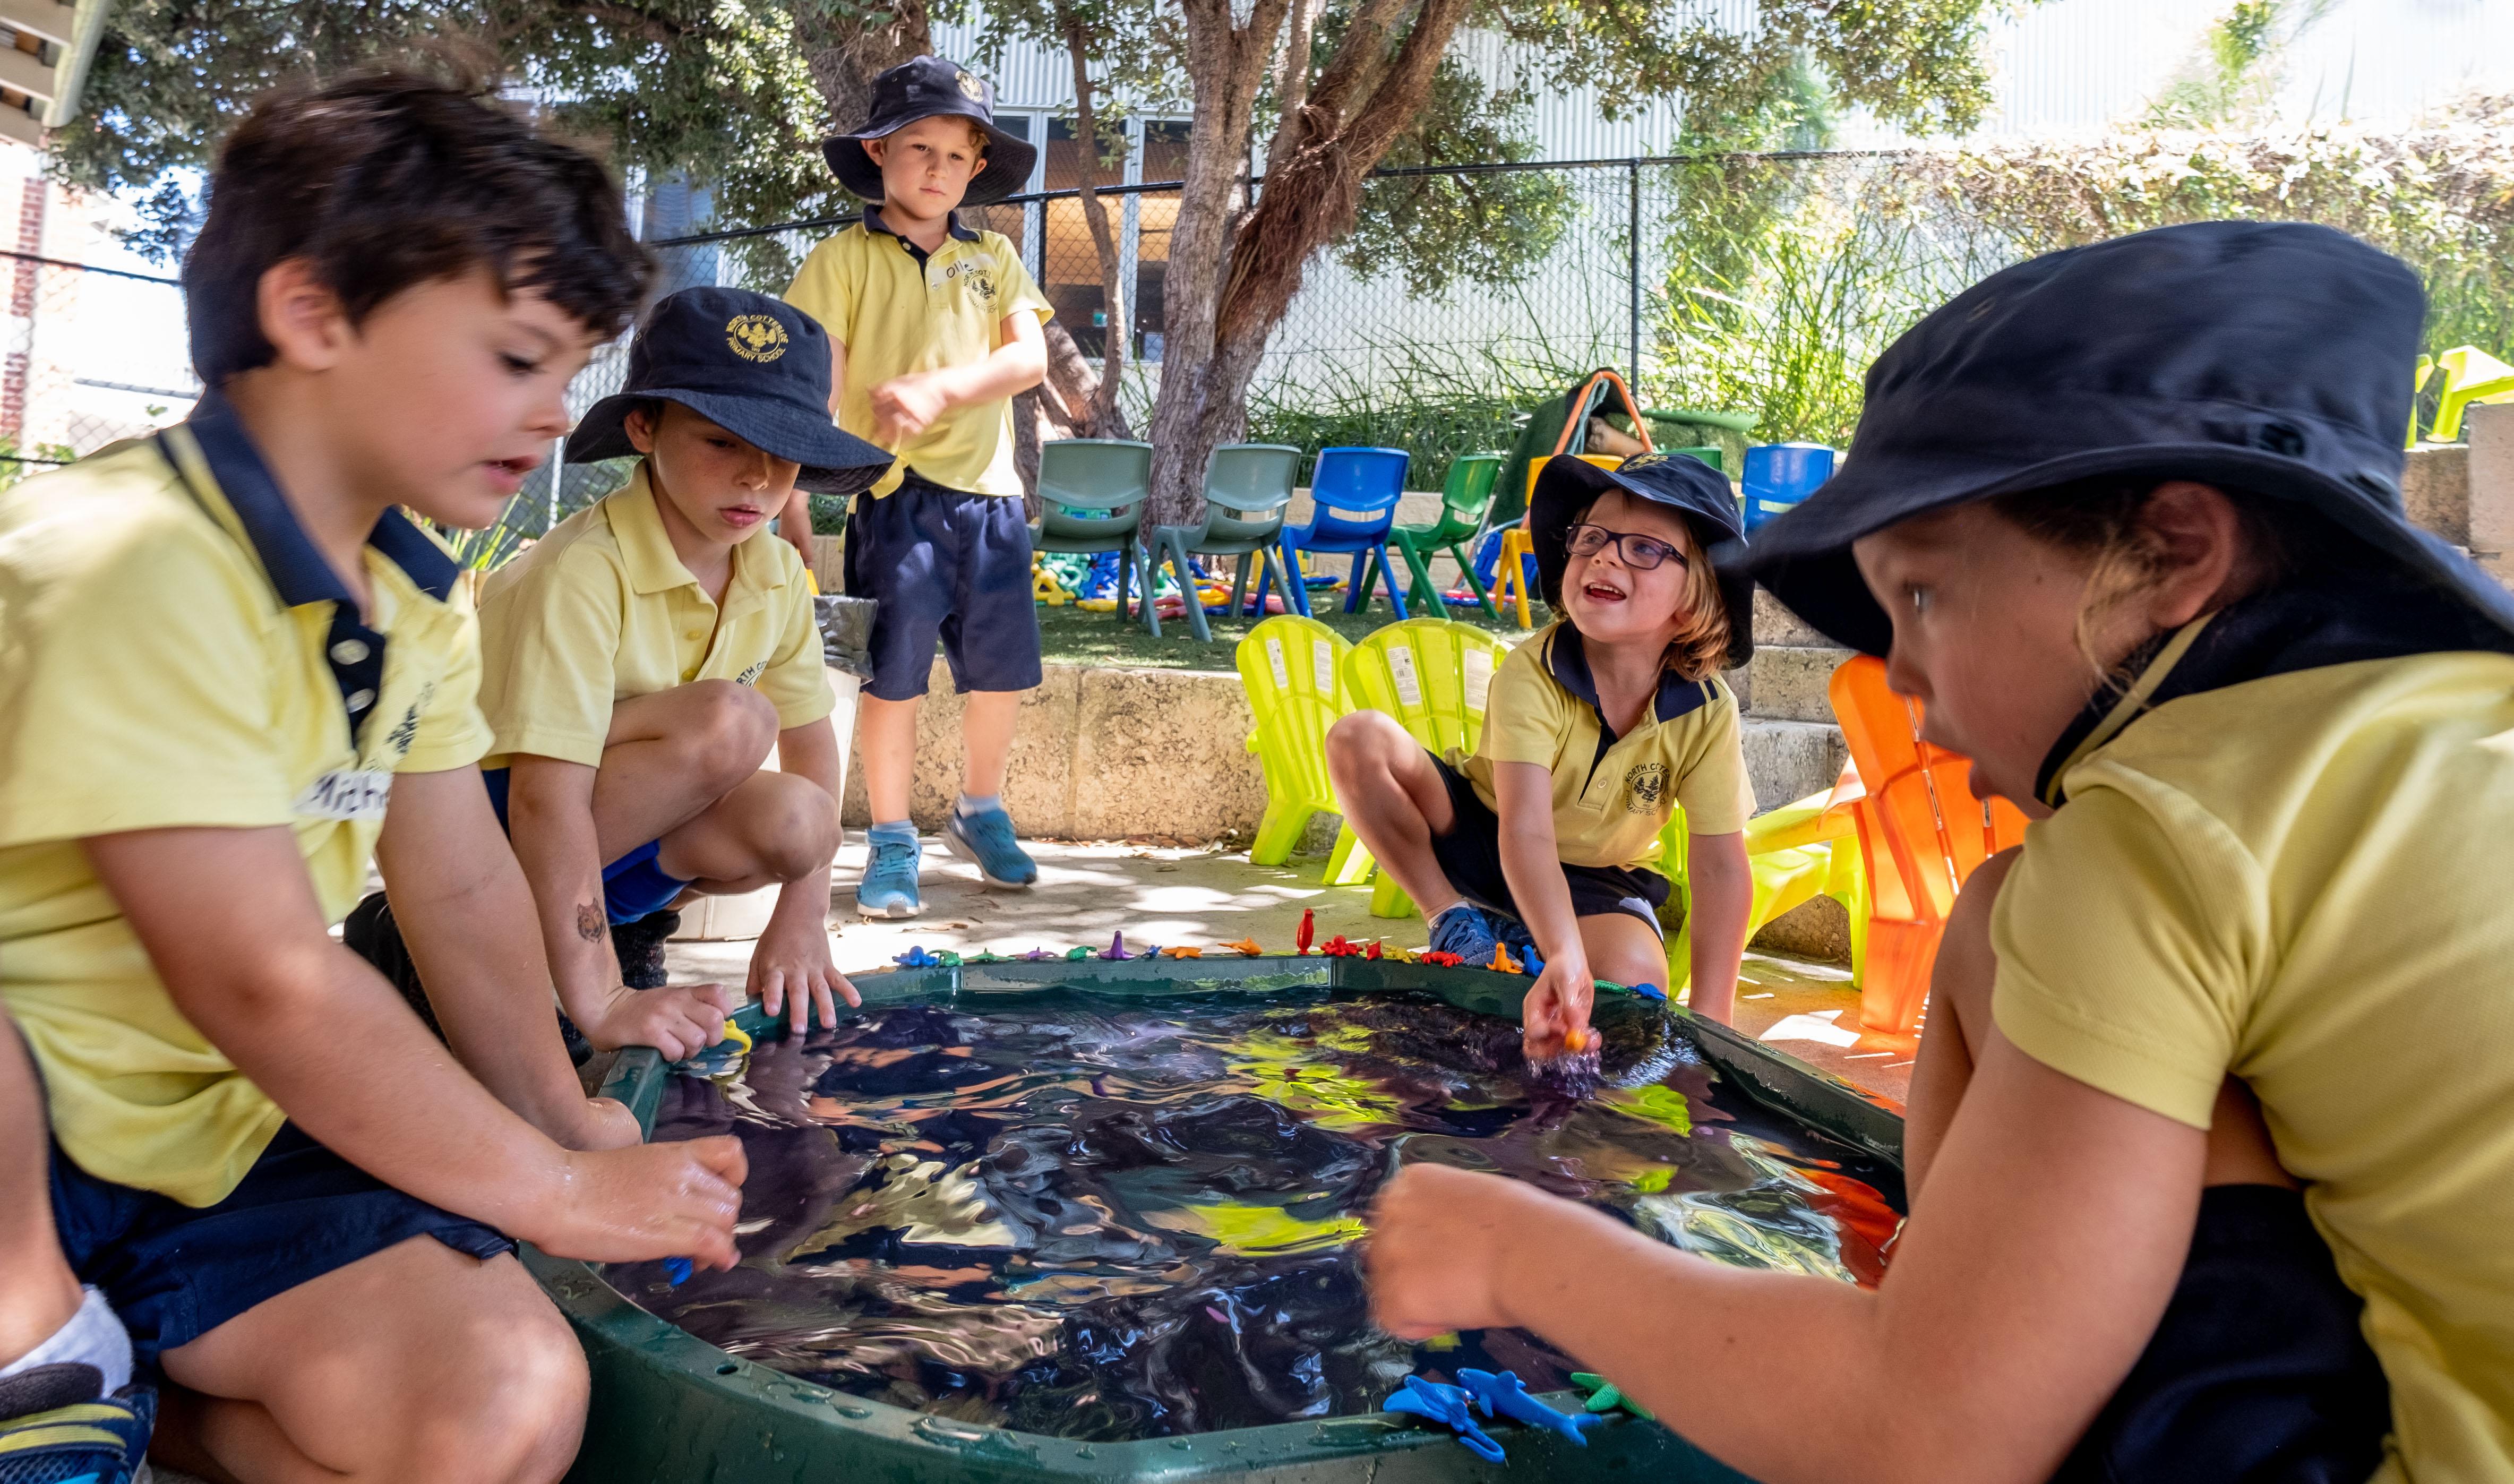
(1309, 930)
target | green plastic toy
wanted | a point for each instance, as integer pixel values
(1604, 1397)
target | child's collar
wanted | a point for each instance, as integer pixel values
(1567, 660)
(951, 223)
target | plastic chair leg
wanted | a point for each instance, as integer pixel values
(1389, 899)
(1279, 830)
(1143, 572)
(1475, 584)
(1900, 956)
(1395, 598)
(1513, 574)
(1351, 863)
(1179, 568)
(1239, 585)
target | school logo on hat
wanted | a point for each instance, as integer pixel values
(970, 88)
(755, 337)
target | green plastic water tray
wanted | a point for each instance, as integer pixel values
(670, 1409)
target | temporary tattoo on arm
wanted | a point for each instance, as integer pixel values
(589, 922)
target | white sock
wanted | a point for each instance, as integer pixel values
(972, 805)
(93, 1336)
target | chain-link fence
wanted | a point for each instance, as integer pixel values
(90, 355)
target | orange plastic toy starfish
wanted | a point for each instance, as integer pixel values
(1182, 952)
(1248, 945)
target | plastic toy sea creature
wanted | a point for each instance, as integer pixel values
(1183, 951)
(1116, 948)
(1532, 964)
(1307, 930)
(1436, 956)
(1082, 953)
(948, 958)
(1604, 1397)
(1446, 1405)
(916, 958)
(1246, 947)
(1504, 1395)
(1502, 962)
(676, 1270)
(1608, 986)
(1650, 992)
(1373, 950)
(985, 959)
(1576, 1040)
(735, 1036)
(1339, 947)
(1035, 955)
(1399, 956)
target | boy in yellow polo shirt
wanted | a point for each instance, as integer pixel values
(640, 661)
(234, 671)
(935, 327)
(1595, 731)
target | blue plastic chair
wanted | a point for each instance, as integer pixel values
(1353, 493)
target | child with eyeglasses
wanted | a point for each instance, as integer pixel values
(1596, 730)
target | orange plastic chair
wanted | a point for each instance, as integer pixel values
(1509, 574)
(1922, 832)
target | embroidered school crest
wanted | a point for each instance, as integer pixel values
(1645, 783)
(972, 89)
(755, 337)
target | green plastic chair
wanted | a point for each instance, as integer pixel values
(1292, 668)
(1247, 487)
(1464, 503)
(2470, 374)
(1433, 677)
(1797, 852)
(1091, 494)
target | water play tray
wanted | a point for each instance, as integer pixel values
(669, 1406)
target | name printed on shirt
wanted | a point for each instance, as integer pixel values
(345, 793)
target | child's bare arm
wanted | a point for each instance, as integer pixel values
(1532, 863)
(549, 811)
(905, 405)
(1719, 884)
(792, 971)
(467, 917)
(2057, 1223)
(229, 921)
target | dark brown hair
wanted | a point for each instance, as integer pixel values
(386, 180)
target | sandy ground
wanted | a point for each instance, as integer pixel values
(1204, 897)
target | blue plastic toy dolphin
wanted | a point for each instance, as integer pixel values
(1441, 1403)
(676, 1270)
(918, 958)
(1504, 1395)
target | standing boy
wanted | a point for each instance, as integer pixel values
(934, 327)
(640, 661)
(227, 652)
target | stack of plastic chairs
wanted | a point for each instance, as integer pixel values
(1433, 677)
(1510, 579)
(1293, 672)
(1921, 832)
(1798, 853)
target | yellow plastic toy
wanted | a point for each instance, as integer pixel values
(1245, 945)
(1432, 676)
(736, 1035)
(1046, 586)
(1096, 605)
(1291, 668)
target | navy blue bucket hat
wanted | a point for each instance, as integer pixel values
(755, 366)
(923, 87)
(1566, 485)
(2268, 357)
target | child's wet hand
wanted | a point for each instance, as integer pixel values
(904, 407)
(1557, 1007)
(1438, 1257)
(647, 1202)
(603, 1123)
(679, 1020)
(791, 975)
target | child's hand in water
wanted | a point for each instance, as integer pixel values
(1439, 1255)
(679, 1020)
(1556, 1008)
(641, 1204)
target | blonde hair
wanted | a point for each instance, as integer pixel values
(1700, 647)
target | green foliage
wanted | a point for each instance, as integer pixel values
(42, 459)
(1433, 231)
(2234, 79)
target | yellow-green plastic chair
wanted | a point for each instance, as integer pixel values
(1797, 852)
(2470, 374)
(1292, 668)
(1433, 677)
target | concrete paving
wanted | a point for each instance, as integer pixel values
(1208, 896)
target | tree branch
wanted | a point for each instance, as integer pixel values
(1114, 347)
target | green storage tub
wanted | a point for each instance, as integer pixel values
(670, 1409)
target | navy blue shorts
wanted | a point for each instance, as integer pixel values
(949, 565)
(633, 886)
(1469, 856)
(175, 1272)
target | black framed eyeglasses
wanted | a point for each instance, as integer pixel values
(1640, 552)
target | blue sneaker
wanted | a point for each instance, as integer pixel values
(1513, 934)
(889, 885)
(986, 840)
(1464, 930)
(61, 1431)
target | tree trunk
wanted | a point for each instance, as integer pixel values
(847, 47)
(1104, 242)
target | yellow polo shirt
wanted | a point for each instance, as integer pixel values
(896, 313)
(601, 609)
(1612, 795)
(178, 657)
(2301, 880)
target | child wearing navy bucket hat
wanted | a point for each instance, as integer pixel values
(2210, 1144)
(1595, 731)
(935, 327)
(641, 660)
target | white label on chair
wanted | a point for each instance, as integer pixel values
(1322, 663)
(1401, 670)
(1275, 657)
(1478, 677)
